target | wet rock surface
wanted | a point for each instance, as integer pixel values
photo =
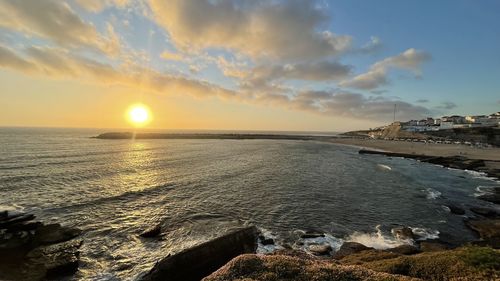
(320, 250)
(266, 241)
(312, 234)
(455, 162)
(403, 233)
(31, 250)
(455, 209)
(195, 263)
(488, 230)
(486, 212)
(152, 232)
(349, 248)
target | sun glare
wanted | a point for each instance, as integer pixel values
(139, 114)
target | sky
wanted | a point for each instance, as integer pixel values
(246, 64)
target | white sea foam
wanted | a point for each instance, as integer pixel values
(446, 208)
(11, 207)
(377, 239)
(484, 190)
(432, 193)
(425, 233)
(333, 241)
(384, 167)
(264, 249)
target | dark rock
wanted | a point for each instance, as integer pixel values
(456, 162)
(404, 250)
(195, 263)
(10, 220)
(349, 248)
(19, 241)
(152, 232)
(55, 233)
(55, 260)
(320, 250)
(312, 234)
(7, 215)
(454, 209)
(403, 233)
(486, 212)
(488, 230)
(493, 198)
(26, 226)
(266, 241)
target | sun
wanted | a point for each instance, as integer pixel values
(139, 115)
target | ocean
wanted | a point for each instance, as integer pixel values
(199, 189)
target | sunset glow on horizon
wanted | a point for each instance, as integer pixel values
(246, 65)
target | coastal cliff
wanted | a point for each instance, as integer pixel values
(233, 257)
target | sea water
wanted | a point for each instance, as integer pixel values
(198, 189)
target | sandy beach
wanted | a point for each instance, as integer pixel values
(429, 149)
(491, 155)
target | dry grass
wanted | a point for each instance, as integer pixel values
(467, 263)
(285, 268)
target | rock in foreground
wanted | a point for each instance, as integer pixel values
(195, 263)
(279, 267)
(31, 250)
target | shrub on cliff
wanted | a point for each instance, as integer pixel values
(467, 263)
(287, 268)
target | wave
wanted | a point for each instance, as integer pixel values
(425, 233)
(328, 239)
(377, 239)
(481, 175)
(11, 207)
(126, 196)
(485, 190)
(432, 193)
(383, 167)
(264, 249)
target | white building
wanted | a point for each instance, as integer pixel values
(445, 125)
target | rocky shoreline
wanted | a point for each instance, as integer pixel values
(233, 257)
(33, 250)
(455, 162)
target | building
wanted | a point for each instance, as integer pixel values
(455, 119)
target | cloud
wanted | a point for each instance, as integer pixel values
(376, 76)
(373, 46)
(379, 92)
(56, 21)
(58, 63)
(262, 77)
(167, 55)
(423, 101)
(347, 104)
(447, 105)
(283, 30)
(99, 5)
(9, 59)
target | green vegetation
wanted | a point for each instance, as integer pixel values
(287, 268)
(466, 263)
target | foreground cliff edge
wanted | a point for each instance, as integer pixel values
(232, 257)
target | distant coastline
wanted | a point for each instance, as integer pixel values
(130, 135)
(487, 160)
